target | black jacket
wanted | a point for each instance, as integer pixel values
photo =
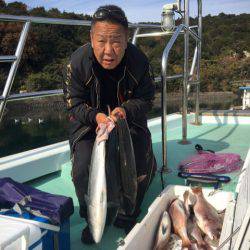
(81, 88)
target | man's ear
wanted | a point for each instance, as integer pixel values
(126, 37)
(91, 37)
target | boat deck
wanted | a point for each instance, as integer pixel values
(218, 136)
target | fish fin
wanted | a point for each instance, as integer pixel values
(222, 211)
(185, 195)
(171, 201)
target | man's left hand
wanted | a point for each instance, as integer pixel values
(118, 113)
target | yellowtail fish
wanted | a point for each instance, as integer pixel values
(97, 188)
(206, 215)
(179, 220)
(163, 234)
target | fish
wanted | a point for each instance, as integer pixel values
(127, 167)
(179, 220)
(195, 233)
(207, 217)
(96, 198)
(163, 234)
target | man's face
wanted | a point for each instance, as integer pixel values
(109, 42)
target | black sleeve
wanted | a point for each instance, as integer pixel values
(142, 100)
(76, 96)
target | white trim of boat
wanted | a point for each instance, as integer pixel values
(35, 163)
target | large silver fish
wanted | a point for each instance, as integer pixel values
(207, 217)
(163, 234)
(97, 190)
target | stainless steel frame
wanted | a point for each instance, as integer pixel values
(190, 78)
(14, 67)
(186, 76)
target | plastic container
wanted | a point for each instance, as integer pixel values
(142, 236)
(15, 235)
(43, 235)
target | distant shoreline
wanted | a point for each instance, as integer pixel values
(47, 107)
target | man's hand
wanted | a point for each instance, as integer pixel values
(101, 118)
(118, 113)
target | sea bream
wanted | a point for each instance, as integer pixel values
(207, 217)
(97, 190)
(195, 233)
(179, 220)
(163, 234)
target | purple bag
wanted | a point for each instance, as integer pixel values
(56, 207)
(208, 162)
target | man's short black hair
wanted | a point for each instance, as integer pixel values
(110, 13)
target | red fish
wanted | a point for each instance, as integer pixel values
(179, 220)
(163, 234)
(207, 217)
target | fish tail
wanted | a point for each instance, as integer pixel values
(197, 190)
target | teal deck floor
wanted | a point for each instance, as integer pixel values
(220, 138)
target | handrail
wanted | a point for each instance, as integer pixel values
(7, 58)
(31, 95)
(14, 67)
(186, 74)
(63, 21)
(164, 93)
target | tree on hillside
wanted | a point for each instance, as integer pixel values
(2, 4)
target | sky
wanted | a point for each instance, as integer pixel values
(141, 10)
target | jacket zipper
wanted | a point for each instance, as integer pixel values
(97, 90)
(118, 86)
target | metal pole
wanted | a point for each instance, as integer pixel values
(186, 74)
(135, 36)
(197, 102)
(14, 67)
(191, 77)
(164, 77)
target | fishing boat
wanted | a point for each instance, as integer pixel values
(174, 136)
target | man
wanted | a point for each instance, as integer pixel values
(109, 72)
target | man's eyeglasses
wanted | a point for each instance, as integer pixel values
(104, 13)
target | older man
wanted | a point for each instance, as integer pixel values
(109, 72)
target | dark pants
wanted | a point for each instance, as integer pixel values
(145, 166)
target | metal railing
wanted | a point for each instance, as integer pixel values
(15, 63)
(188, 76)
